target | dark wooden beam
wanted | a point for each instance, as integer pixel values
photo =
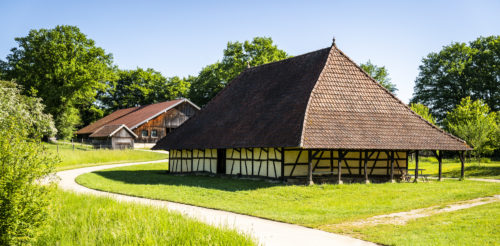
(392, 166)
(283, 164)
(416, 167)
(310, 168)
(365, 166)
(461, 155)
(439, 157)
(339, 167)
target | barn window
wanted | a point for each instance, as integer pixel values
(154, 133)
(144, 133)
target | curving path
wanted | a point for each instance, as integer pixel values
(267, 232)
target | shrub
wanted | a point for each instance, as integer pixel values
(23, 164)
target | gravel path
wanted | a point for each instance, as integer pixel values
(267, 232)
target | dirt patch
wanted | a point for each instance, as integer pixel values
(402, 218)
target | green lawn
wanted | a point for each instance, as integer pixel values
(311, 206)
(451, 168)
(83, 156)
(473, 226)
(88, 220)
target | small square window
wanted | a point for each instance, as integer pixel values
(144, 133)
(154, 133)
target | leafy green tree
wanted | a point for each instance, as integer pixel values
(458, 71)
(423, 111)
(23, 163)
(380, 74)
(237, 57)
(473, 122)
(64, 68)
(141, 87)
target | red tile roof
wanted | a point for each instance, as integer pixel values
(317, 100)
(110, 130)
(132, 117)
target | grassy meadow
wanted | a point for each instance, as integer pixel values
(473, 226)
(311, 206)
(451, 168)
(88, 220)
(84, 156)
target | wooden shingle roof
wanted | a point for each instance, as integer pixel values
(110, 130)
(320, 99)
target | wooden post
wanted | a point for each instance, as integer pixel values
(416, 166)
(461, 155)
(439, 157)
(339, 167)
(366, 168)
(282, 164)
(392, 167)
(309, 169)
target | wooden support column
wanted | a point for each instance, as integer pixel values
(366, 167)
(282, 164)
(416, 167)
(439, 157)
(461, 154)
(310, 168)
(339, 167)
(392, 167)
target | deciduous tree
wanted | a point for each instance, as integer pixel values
(457, 71)
(380, 74)
(473, 122)
(423, 111)
(237, 56)
(64, 68)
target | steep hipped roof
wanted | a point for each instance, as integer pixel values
(110, 130)
(134, 117)
(318, 100)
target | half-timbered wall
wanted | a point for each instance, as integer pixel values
(352, 162)
(270, 162)
(204, 160)
(254, 162)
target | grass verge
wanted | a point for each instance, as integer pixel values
(473, 226)
(88, 220)
(451, 168)
(311, 206)
(82, 156)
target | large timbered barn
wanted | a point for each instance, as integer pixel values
(317, 114)
(148, 123)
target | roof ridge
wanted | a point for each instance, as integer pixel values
(286, 59)
(398, 100)
(302, 130)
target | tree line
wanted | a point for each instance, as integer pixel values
(79, 83)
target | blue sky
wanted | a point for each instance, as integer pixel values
(179, 38)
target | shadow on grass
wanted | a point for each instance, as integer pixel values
(476, 171)
(156, 177)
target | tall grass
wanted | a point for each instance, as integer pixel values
(88, 220)
(81, 156)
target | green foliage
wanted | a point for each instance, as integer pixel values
(237, 57)
(457, 71)
(64, 68)
(305, 205)
(380, 74)
(423, 111)
(23, 162)
(89, 220)
(473, 122)
(141, 87)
